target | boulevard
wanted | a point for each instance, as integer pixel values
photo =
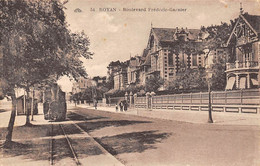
(115, 138)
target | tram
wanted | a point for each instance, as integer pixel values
(54, 105)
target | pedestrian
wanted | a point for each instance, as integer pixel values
(121, 106)
(116, 107)
(125, 105)
(95, 104)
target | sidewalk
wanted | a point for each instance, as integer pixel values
(199, 117)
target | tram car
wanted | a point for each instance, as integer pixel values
(54, 105)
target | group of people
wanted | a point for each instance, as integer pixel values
(122, 105)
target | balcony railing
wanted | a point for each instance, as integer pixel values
(242, 65)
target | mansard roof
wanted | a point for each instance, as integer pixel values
(134, 61)
(147, 61)
(164, 34)
(253, 20)
(145, 53)
(169, 34)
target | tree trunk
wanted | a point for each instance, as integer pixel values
(27, 123)
(24, 102)
(32, 105)
(10, 127)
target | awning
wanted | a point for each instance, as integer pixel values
(254, 82)
(242, 83)
(230, 83)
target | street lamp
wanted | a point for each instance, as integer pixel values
(209, 76)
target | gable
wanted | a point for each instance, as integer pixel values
(152, 38)
(243, 31)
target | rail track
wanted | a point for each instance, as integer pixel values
(65, 148)
(56, 147)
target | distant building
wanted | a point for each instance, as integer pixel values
(162, 46)
(211, 56)
(113, 67)
(99, 80)
(118, 71)
(82, 84)
(158, 58)
(120, 79)
(133, 70)
(145, 67)
(243, 67)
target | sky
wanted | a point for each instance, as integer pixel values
(117, 35)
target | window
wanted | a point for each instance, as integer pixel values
(220, 52)
(170, 60)
(194, 60)
(170, 74)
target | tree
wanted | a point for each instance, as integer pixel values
(217, 35)
(217, 38)
(153, 83)
(37, 46)
(218, 80)
(188, 80)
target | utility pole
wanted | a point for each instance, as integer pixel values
(209, 75)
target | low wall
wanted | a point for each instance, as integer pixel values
(241, 101)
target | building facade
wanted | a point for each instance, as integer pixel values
(243, 69)
(82, 84)
(168, 48)
(120, 79)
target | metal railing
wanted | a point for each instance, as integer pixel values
(241, 65)
(140, 102)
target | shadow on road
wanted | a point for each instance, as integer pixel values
(91, 126)
(34, 142)
(132, 142)
(3, 110)
(77, 117)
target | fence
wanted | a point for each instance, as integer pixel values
(246, 101)
(115, 100)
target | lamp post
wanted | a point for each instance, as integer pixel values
(209, 75)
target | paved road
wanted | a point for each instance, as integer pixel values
(142, 141)
(130, 140)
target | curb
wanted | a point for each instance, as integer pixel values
(233, 121)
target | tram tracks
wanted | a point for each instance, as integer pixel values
(69, 142)
(57, 149)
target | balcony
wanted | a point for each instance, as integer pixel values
(242, 65)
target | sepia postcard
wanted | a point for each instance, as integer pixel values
(130, 82)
